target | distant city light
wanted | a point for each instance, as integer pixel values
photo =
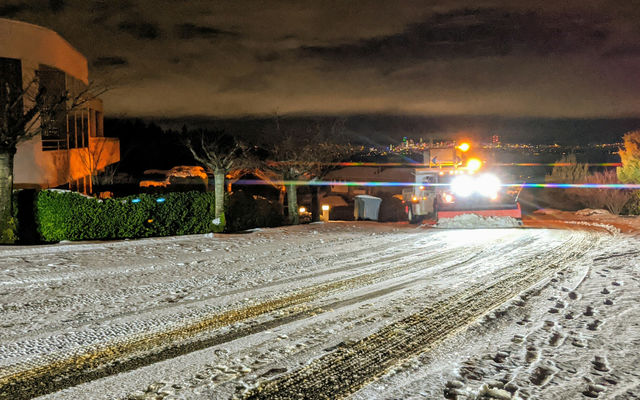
(135, 201)
(464, 147)
(161, 200)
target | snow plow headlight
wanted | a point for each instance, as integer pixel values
(488, 185)
(463, 185)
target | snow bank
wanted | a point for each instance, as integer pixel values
(591, 211)
(467, 221)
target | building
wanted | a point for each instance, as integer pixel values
(70, 148)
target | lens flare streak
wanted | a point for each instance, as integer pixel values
(405, 184)
(417, 164)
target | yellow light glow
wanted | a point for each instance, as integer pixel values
(464, 147)
(421, 187)
(474, 164)
(325, 207)
(448, 198)
(302, 209)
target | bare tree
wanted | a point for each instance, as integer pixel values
(91, 157)
(220, 153)
(300, 156)
(24, 112)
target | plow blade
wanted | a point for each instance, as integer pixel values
(497, 210)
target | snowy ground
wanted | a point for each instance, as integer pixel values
(367, 310)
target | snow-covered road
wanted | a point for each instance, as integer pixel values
(324, 311)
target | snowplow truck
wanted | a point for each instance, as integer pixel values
(453, 183)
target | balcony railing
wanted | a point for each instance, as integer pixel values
(54, 144)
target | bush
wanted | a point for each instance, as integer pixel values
(613, 200)
(391, 209)
(567, 170)
(64, 215)
(246, 212)
(629, 172)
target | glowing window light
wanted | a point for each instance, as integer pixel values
(325, 207)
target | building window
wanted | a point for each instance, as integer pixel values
(52, 114)
(11, 81)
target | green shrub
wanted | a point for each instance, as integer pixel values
(245, 212)
(72, 216)
(9, 235)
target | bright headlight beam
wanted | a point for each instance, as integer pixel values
(488, 185)
(463, 185)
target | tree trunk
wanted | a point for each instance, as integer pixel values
(315, 206)
(218, 176)
(292, 197)
(7, 224)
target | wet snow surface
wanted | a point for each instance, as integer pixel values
(366, 310)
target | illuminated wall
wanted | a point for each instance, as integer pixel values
(73, 146)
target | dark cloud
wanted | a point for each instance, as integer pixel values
(545, 58)
(56, 5)
(110, 61)
(470, 33)
(11, 10)
(270, 56)
(245, 83)
(630, 50)
(140, 29)
(192, 31)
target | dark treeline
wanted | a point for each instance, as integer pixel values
(145, 145)
(382, 130)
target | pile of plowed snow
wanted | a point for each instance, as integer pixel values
(469, 221)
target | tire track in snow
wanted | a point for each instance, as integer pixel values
(51, 373)
(351, 367)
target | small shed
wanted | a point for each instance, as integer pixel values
(366, 207)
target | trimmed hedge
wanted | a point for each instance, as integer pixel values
(62, 215)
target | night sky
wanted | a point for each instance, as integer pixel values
(176, 58)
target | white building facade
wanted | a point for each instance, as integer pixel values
(72, 148)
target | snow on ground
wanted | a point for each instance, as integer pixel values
(473, 221)
(279, 300)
